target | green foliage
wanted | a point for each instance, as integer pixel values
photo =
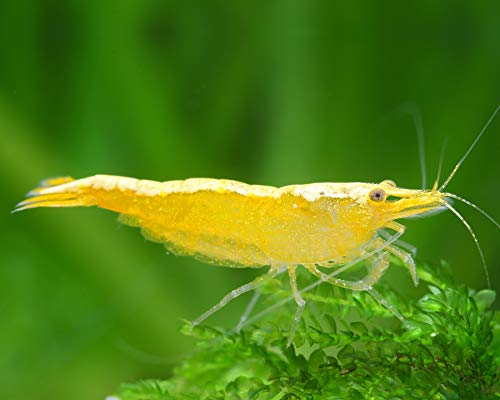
(347, 347)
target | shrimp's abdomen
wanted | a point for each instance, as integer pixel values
(204, 218)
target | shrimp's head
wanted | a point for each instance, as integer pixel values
(389, 202)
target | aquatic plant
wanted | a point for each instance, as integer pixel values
(347, 347)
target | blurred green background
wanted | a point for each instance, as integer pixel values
(275, 92)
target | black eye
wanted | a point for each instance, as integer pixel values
(377, 195)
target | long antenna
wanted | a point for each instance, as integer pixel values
(447, 205)
(469, 150)
(469, 203)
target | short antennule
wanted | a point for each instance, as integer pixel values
(469, 149)
(440, 165)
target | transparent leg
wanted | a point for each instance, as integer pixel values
(235, 293)
(248, 310)
(300, 303)
(253, 301)
(379, 264)
(404, 256)
(382, 301)
(401, 243)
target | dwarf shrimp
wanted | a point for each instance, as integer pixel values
(233, 224)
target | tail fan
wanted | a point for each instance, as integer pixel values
(52, 192)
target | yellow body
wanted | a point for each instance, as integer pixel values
(234, 224)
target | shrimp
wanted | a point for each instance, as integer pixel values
(234, 224)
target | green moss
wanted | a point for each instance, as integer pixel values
(347, 347)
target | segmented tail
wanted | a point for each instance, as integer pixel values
(53, 192)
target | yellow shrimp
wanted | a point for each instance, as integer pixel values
(234, 224)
